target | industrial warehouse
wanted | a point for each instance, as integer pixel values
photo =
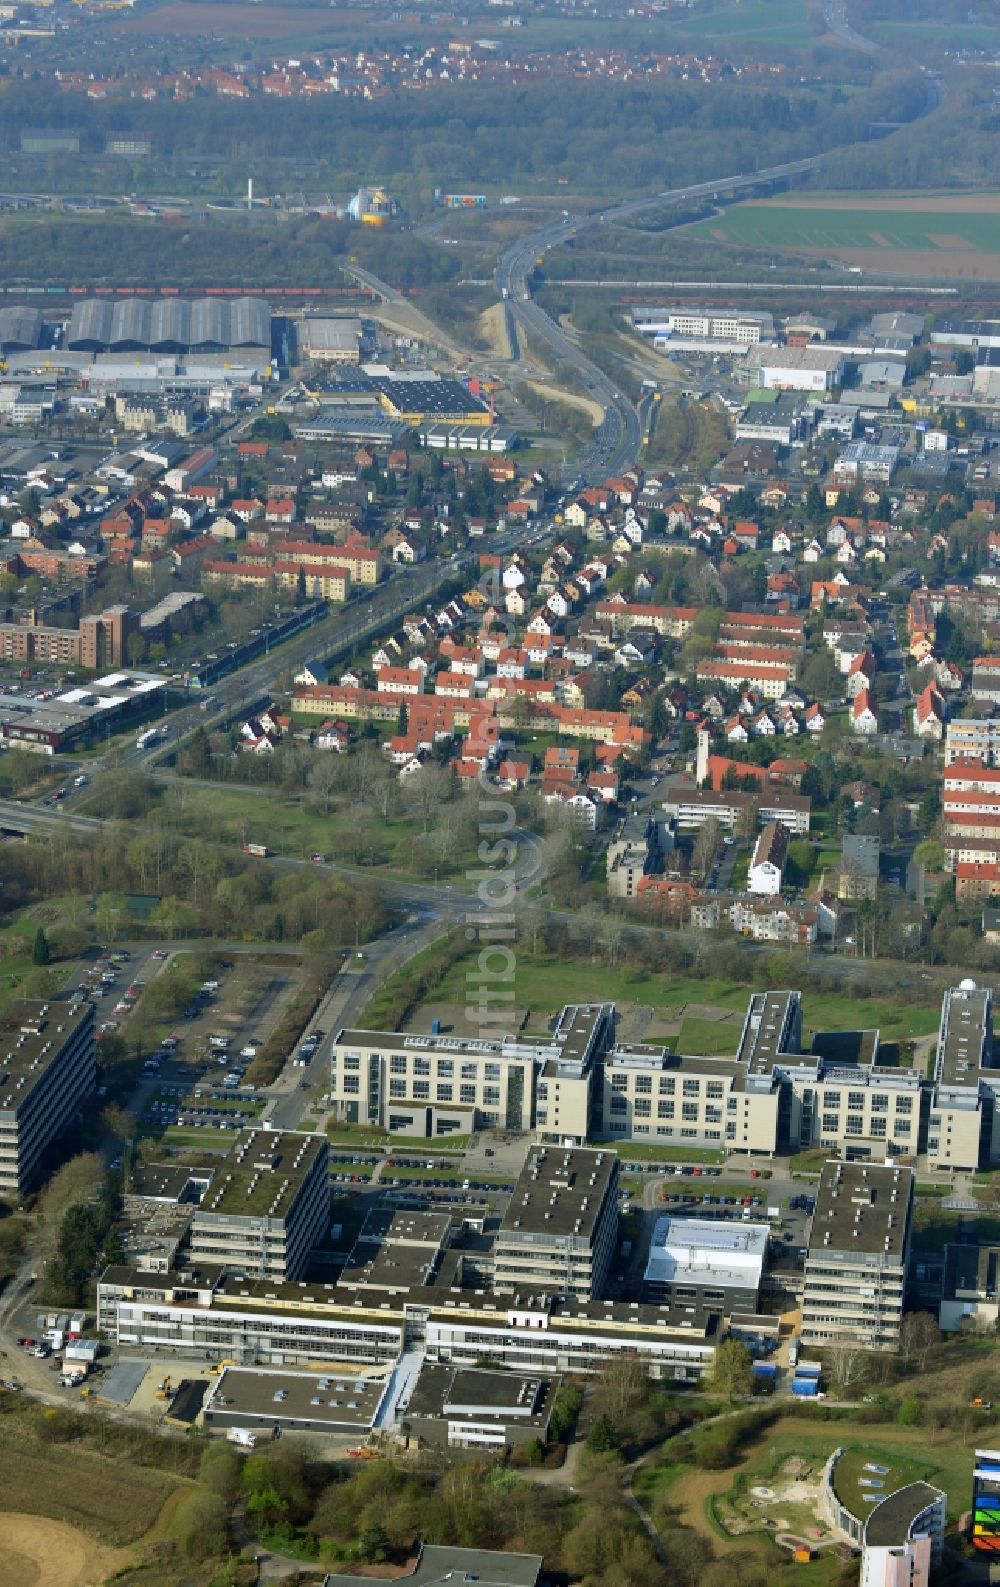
(168, 325)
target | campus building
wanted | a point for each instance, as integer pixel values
(578, 1082)
(903, 1537)
(216, 1315)
(559, 1230)
(48, 1069)
(466, 1408)
(718, 1265)
(859, 1246)
(266, 1207)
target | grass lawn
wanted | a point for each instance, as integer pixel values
(709, 1038)
(290, 826)
(779, 22)
(174, 1135)
(810, 226)
(640, 1152)
(544, 985)
(371, 1140)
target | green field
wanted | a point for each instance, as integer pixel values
(791, 226)
(544, 985)
(784, 23)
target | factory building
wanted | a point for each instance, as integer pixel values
(20, 328)
(331, 339)
(168, 325)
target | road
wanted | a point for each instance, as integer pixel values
(835, 17)
(616, 443)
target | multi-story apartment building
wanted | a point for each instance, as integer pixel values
(97, 641)
(972, 739)
(559, 1230)
(48, 1068)
(859, 1244)
(266, 1207)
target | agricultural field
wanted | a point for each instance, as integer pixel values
(954, 235)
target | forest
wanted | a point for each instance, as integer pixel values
(622, 135)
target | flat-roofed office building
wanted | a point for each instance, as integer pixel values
(267, 1206)
(859, 1247)
(559, 1230)
(48, 1069)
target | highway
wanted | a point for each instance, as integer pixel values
(616, 443)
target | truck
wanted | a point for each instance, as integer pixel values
(243, 1436)
(148, 737)
(259, 850)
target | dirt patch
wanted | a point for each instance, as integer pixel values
(947, 239)
(935, 264)
(593, 410)
(35, 1552)
(492, 327)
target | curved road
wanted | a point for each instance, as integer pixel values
(616, 443)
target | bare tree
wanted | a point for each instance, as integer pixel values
(849, 1363)
(622, 1384)
(706, 846)
(918, 1333)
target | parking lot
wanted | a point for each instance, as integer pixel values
(193, 1081)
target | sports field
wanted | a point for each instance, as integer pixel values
(910, 234)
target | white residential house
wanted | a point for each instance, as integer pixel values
(767, 865)
(863, 718)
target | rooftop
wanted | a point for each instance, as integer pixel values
(892, 1522)
(32, 1034)
(465, 1392)
(336, 1398)
(726, 1254)
(262, 1175)
(768, 1030)
(862, 1208)
(971, 1270)
(560, 1191)
(438, 1565)
(965, 1035)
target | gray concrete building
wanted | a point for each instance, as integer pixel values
(48, 1069)
(560, 1227)
(859, 1247)
(468, 1408)
(267, 1206)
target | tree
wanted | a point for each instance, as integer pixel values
(747, 821)
(707, 843)
(733, 1372)
(621, 1385)
(918, 1333)
(929, 855)
(40, 948)
(848, 1362)
(602, 1438)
